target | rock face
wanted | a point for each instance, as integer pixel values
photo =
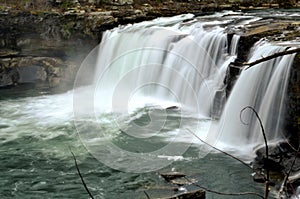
(293, 104)
(46, 45)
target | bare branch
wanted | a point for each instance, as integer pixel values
(262, 129)
(220, 150)
(288, 174)
(275, 55)
(223, 193)
(294, 191)
(287, 142)
(266, 145)
(83, 182)
(148, 197)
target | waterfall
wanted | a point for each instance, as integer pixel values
(168, 62)
(234, 45)
(178, 63)
(263, 87)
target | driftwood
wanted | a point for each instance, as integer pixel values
(275, 55)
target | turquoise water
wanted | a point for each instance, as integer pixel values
(37, 135)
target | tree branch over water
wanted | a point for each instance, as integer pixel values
(266, 145)
(228, 154)
(147, 195)
(82, 180)
(275, 55)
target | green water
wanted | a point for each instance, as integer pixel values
(37, 134)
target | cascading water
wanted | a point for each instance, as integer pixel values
(174, 62)
(171, 61)
(262, 87)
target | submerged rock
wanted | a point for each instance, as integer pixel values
(172, 175)
(183, 181)
(172, 108)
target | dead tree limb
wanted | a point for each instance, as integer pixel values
(147, 195)
(275, 55)
(82, 180)
(223, 193)
(266, 145)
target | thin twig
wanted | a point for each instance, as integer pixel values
(288, 174)
(262, 129)
(294, 191)
(294, 161)
(219, 149)
(283, 185)
(287, 142)
(275, 55)
(148, 197)
(223, 193)
(266, 145)
(83, 182)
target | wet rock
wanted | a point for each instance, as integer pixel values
(281, 157)
(260, 178)
(183, 181)
(30, 70)
(172, 108)
(172, 175)
(198, 194)
(292, 116)
(8, 76)
(232, 74)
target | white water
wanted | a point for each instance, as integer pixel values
(168, 63)
(262, 87)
